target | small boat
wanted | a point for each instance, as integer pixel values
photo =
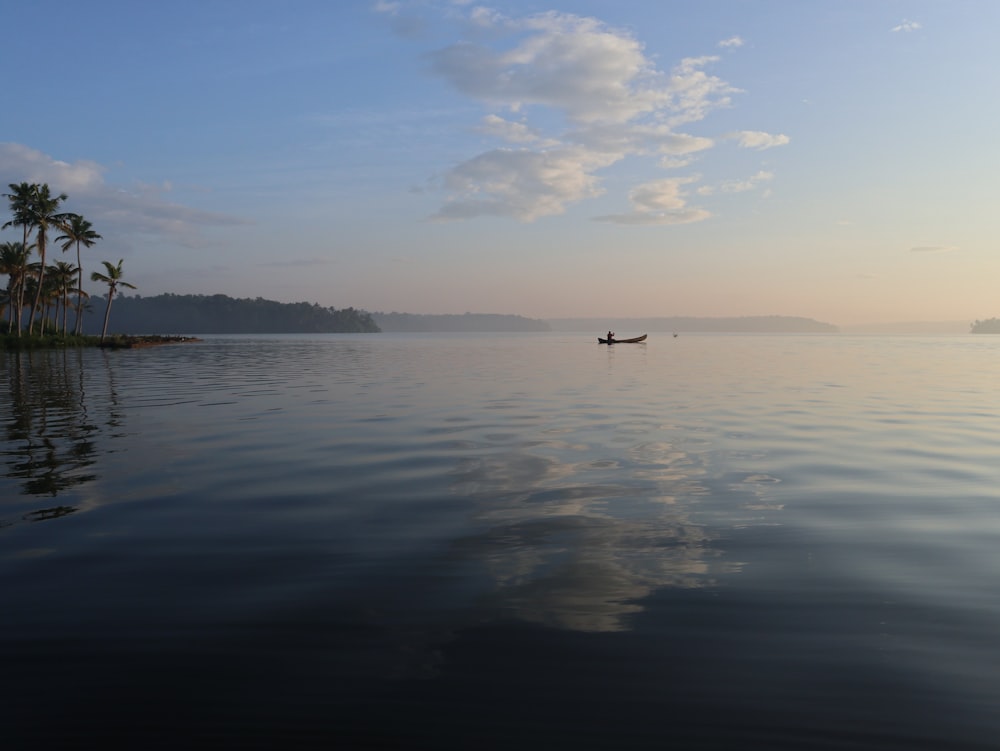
(633, 340)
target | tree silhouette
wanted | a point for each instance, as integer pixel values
(114, 280)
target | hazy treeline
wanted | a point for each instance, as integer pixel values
(743, 324)
(989, 326)
(413, 322)
(220, 314)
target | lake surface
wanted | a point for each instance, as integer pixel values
(503, 541)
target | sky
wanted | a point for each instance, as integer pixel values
(834, 159)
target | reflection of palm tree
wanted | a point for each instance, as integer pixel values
(78, 231)
(50, 439)
(114, 280)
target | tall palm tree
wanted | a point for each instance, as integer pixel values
(114, 280)
(44, 214)
(21, 199)
(78, 231)
(14, 263)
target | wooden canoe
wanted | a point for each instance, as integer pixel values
(633, 340)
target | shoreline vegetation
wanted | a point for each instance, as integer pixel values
(15, 343)
(221, 314)
(989, 326)
(42, 290)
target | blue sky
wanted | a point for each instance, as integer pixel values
(832, 159)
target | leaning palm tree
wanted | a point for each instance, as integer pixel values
(78, 231)
(45, 215)
(14, 263)
(114, 280)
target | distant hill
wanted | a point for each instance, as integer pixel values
(220, 314)
(745, 324)
(989, 326)
(909, 327)
(481, 322)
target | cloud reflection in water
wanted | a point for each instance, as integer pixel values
(578, 546)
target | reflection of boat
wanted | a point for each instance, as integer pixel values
(633, 340)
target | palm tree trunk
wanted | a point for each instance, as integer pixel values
(107, 315)
(78, 325)
(20, 289)
(41, 280)
(12, 294)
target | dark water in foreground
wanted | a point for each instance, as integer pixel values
(709, 542)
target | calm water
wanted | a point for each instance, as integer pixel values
(532, 541)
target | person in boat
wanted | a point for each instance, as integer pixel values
(611, 336)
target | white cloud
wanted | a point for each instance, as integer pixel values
(574, 64)
(659, 202)
(742, 186)
(756, 139)
(625, 140)
(114, 211)
(511, 132)
(694, 93)
(522, 184)
(906, 26)
(586, 96)
(934, 249)
(738, 186)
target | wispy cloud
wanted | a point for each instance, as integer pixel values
(141, 210)
(296, 262)
(659, 202)
(759, 140)
(934, 249)
(574, 95)
(737, 186)
(906, 26)
(512, 132)
(750, 183)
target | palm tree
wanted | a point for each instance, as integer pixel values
(14, 263)
(78, 231)
(20, 197)
(63, 275)
(44, 215)
(114, 280)
(49, 300)
(82, 303)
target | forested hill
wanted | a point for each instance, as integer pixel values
(414, 322)
(743, 324)
(219, 314)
